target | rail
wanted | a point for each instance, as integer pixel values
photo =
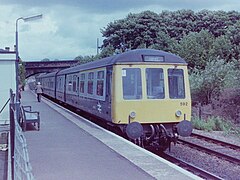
(185, 165)
(211, 151)
(216, 141)
(20, 166)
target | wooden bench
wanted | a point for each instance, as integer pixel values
(29, 116)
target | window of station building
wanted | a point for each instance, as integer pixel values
(176, 84)
(155, 83)
(74, 83)
(132, 83)
(100, 83)
(82, 82)
(90, 83)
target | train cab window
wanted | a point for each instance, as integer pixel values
(90, 82)
(132, 83)
(176, 84)
(100, 83)
(82, 82)
(155, 83)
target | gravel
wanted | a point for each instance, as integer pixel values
(217, 166)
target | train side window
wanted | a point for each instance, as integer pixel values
(132, 83)
(100, 83)
(155, 83)
(90, 83)
(82, 83)
(75, 83)
(176, 84)
(70, 83)
(60, 83)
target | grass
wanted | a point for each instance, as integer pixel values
(215, 124)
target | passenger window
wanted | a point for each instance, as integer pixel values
(176, 84)
(70, 83)
(132, 83)
(100, 83)
(82, 82)
(155, 83)
(74, 83)
(90, 82)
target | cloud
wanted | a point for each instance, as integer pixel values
(92, 6)
(71, 28)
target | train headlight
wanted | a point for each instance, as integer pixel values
(132, 114)
(178, 113)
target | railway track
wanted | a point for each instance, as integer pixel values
(212, 150)
(187, 166)
(215, 141)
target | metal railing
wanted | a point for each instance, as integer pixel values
(20, 167)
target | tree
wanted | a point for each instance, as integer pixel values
(207, 84)
(194, 48)
(84, 59)
(22, 72)
(164, 42)
(136, 30)
(233, 34)
(177, 23)
(222, 48)
(107, 51)
(45, 59)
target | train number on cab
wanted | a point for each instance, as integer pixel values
(183, 103)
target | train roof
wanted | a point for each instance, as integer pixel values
(51, 74)
(133, 56)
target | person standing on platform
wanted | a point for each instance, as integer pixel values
(39, 91)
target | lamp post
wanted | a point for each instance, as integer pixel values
(25, 19)
(17, 105)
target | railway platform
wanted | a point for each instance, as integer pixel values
(69, 147)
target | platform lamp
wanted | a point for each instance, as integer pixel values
(25, 19)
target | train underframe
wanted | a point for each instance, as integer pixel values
(159, 136)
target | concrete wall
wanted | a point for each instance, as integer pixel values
(7, 81)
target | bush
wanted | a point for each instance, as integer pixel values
(229, 104)
(208, 84)
(211, 124)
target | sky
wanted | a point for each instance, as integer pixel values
(70, 28)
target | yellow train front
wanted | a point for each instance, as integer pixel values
(151, 99)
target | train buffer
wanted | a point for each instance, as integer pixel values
(69, 147)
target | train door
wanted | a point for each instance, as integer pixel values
(78, 91)
(109, 90)
(65, 88)
(55, 86)
(109, 85)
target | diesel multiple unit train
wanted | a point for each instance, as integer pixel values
(143, 92)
